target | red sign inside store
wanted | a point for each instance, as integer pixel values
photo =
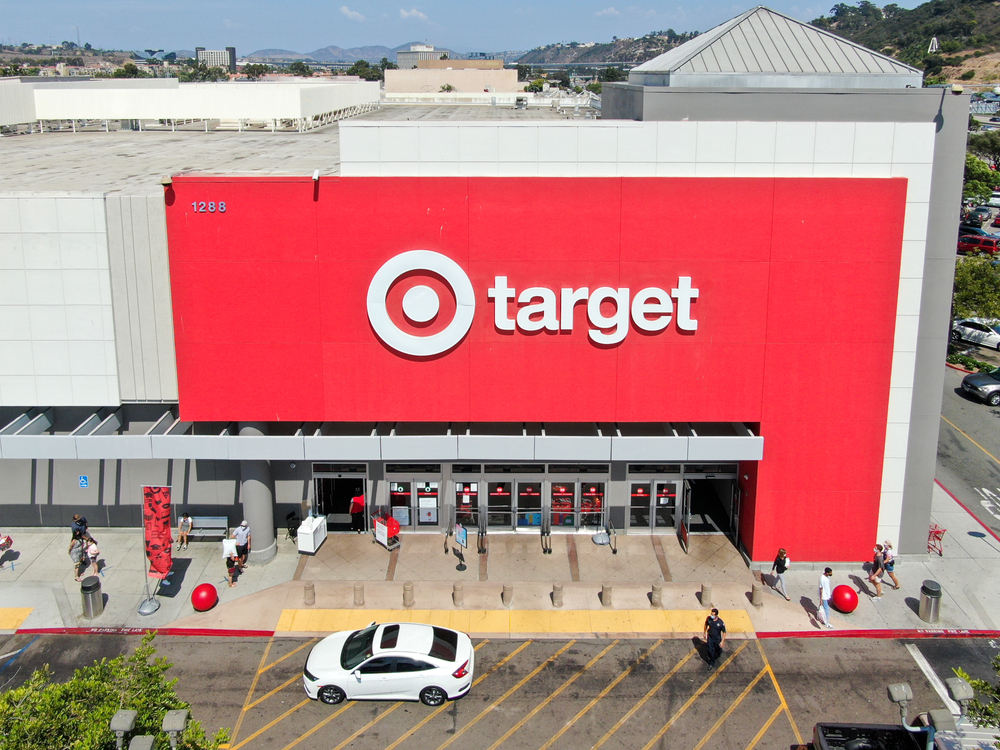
(529, 299)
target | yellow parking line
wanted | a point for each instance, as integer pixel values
(697, 694)
(276, 690)
(410, 732)
(763, 729)
(270, 724)
(645, 698)
(290, 653)
(596, 700)
(367, 726)
(506, 695)
(781, 695)
(551, 698)
(319, 726)
(970, 439)
(253, 687)
(732, 707)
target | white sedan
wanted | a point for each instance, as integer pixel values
(393, 661)
(978, 331)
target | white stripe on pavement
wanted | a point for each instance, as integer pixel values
(933, 679)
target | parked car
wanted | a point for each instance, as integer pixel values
(978, 331)
(982, 214)
(392, 661)
(966, 229)
(978, 244)
(996, 221)
(984, 385)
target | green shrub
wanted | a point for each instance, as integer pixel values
(969, 363)
(42, 715)
(967, 75)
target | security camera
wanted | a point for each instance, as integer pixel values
(956, 88)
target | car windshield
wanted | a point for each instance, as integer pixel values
(445, 644)
(994, 373)
(358, 647)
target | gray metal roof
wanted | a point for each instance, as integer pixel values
(765, 41)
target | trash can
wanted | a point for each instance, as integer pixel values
(930, 601)
(93, 600)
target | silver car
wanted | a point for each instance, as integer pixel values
(984, 385)
(978, 331)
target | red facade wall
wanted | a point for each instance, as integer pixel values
(796, 315)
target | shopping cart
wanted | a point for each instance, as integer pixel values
(934, 537)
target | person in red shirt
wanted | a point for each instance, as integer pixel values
(358, 511)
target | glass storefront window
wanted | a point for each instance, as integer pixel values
(399, 501)
(500, 508)
(529, 504)
(427, 503)
(666, 504)
(639, 506)
(467, 503)
(563, 504)
(592, 504)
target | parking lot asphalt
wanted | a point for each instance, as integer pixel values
(617, 694)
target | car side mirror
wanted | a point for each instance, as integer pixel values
(356, 674)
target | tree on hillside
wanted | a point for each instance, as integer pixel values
(200, 72)
(363, 69)
(77, 714)
(524, 72)
(299, 68)
(256, 71)
(612, 74)
(986, 146)
(130, 70)
(385, 65)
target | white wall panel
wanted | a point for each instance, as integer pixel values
(17, 104)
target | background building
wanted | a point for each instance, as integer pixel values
(217, 58)
(407, 59)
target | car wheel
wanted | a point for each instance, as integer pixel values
(331, 695)
(956, 336)
(435, 696)
(993, 399)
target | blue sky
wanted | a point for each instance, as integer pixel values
(306, 25)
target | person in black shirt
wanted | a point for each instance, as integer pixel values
(715, 636)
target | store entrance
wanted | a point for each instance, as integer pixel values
(333, 499)
(653, 504)
(415, 503)
(714, 506)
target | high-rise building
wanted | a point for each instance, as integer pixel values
(217, 58)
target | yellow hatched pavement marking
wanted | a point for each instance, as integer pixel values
(506, 695)
(290, 653)
(11, 618)
(253, 687)
(319, 726)
(367, 726)
(763, 729)
(278, 689)
(600, 695)
(732, 707)
(551, 698)
(697, 694)
(781, 695)
(409, 733)
(270, 724)
(646, 697)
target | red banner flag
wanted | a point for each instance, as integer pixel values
(156, 521)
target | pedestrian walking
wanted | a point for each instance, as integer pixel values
(232, 568)
(184, 527)
(242, 536)
(358, 511)
(93, 552)
(6, 542)
(889, 558)
(877, 571)
(825, 593)
(715, 637)
(778, 568)
(76, 552)
(78, 525)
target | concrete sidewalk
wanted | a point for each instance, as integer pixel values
(38, 591)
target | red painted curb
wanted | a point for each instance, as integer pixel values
(143, 631)
(952, 496)
(956, 367)
(885, 634)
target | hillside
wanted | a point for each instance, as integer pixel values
(968, 34)
(372, 54)
(629, 50)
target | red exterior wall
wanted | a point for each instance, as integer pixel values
(796, 315)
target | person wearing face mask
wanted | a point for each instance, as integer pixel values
(890, 562)
(877, 571)
(715, 637)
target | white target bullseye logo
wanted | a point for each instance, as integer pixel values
(421, 303)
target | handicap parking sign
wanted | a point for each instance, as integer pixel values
(84, 481)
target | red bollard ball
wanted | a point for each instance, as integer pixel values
(844, 598)
(204, 597)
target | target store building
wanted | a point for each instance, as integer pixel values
(722, 308)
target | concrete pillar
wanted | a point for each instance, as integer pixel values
(257, 496)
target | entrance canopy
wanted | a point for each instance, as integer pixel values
(154, 431)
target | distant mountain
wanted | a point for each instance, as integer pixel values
(372, 54)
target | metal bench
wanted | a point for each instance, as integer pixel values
(202, 526)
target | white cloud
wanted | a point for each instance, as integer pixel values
(608, 12)
(414, 13)
(352, 14)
